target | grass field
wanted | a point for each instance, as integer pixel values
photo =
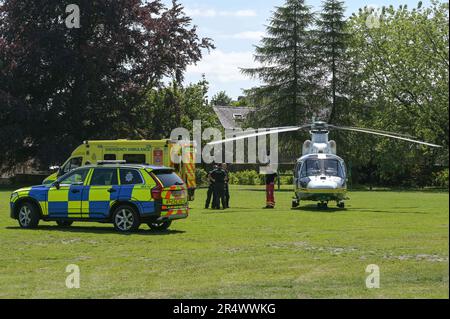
(244, 252)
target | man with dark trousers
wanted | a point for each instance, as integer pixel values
(211, 192)
(227, 190)
(219, 177)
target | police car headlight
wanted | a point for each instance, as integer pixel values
(14, 196)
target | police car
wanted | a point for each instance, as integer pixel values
(125, 195)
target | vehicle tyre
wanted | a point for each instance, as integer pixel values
(160, 226)
(295, 203)
(341, 205)
(64, 223)
(28, 215)
(125, 219)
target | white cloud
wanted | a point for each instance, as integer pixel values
(211, 13)
(248, 35)
(223, 67)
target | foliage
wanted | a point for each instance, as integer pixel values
(331, 38)
(441, 178)
(67, 85)
(166, 108)
(399, 83)
(288, 68)
(221, 99)
(201, 177)
(391, 75)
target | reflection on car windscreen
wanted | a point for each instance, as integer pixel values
(168, 178)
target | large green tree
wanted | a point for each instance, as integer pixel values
(60, 85)
(399, 83)
(288, 72)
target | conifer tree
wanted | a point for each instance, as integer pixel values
(287, 68)
(331, 39)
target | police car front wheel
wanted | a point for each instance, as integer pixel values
(28, 215)
(125, 219)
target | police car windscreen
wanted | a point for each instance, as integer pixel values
(168, 178)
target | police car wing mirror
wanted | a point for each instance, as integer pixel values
(56, 184)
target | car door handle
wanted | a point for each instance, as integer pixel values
(75, 191)
(112, 190)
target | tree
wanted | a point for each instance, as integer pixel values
(288, 95)
(60, 86)
(331, 38)
(221, 98)
(400, 83)
(158, 109)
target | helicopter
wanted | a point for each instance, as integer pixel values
(320, 175)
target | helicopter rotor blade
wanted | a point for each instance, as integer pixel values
(380, 133)
(270, 131)
(373, 130)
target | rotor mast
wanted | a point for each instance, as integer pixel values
(319, 143)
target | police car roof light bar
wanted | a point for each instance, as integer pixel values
(105, 162)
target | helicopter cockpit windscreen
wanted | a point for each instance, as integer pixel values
(316, 167)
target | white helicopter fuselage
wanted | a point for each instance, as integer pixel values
(320, 175)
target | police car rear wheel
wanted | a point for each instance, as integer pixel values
(125, 219)
(28, 215)
(160, 225)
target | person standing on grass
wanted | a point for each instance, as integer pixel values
(211, 191)
(227, 189)
(270, 189)
(219, 177)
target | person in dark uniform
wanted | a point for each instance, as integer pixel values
(270, 189)
(227, 190)
(219, 176)
(211, 192)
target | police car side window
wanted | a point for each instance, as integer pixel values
(76, 177)
(130, 176)
(104, 177)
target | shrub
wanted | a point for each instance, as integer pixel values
(201, 177)
(440, 179)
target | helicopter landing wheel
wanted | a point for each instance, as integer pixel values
(341, 204)
(295, 203)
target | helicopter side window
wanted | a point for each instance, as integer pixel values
(302, 170)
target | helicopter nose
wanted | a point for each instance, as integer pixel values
(322, 183)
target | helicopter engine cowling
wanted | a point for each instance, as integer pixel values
(307, 147)
(332, 146)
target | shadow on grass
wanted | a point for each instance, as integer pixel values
(315, 209)
(100, 230)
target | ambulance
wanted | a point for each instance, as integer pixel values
(145, 152)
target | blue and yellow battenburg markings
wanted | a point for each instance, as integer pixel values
(84, 201)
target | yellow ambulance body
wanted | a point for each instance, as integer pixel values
(149, 152)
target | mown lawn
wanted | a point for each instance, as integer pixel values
(244, 252)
